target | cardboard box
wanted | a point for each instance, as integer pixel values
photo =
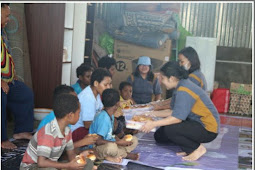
(127, 55)
(238, 88)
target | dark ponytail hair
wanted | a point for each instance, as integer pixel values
(191, 54)
(172, 68)
(150, 74)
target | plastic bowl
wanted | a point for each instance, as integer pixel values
(40, 113)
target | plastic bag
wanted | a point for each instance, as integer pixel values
(107, 43)
(183, 33)
(220, 98)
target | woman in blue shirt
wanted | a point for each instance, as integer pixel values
(144, 82)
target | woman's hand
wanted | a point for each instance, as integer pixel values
(156, 107)
(147, 127)
(5, 86)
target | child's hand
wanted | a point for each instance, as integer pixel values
(124, 102)
(123, 142)
(87, 152)
(90, 139)
(75, 165)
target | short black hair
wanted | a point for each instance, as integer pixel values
(80, 71)
(110, 97)
(173, 68)
(124, 84)
(106, 62)
(3, 4)
(191, 54)
(64, 104)
(99, 75)
(62, 89)
(87, 64)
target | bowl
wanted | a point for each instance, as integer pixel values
(40, 113)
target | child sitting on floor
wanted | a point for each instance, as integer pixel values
(48, 144)
(126, 90)
(109, 146)
(64, 89)
(91, 104)
(61, 89)
(83, 73)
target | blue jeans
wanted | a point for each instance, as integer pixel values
(20, 102)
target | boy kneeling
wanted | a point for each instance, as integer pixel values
(48, 144)
(108, 146)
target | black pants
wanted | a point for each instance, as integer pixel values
(120, 126)
(187, 134)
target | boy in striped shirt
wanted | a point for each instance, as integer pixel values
(48, 144)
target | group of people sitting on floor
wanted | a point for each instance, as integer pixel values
(87, 117)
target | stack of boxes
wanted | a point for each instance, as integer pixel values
(151, 21)
(126, 56)
(241, 99)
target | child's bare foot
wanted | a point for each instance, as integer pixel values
(133, 156)
(23, 135)
(8, 145)
(114, 159)
(181, 153)
(196, 154)
(94, 168)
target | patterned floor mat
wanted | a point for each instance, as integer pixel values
(245, 149)
(232, 149)
(10, 159)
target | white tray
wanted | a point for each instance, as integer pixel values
(133, 124)
(136, 125)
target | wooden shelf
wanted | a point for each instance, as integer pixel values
(68, 28)
(65, 62)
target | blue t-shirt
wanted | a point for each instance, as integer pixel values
(103, 126)
(77, 88)
(47, 119)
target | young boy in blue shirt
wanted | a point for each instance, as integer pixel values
(109, 146)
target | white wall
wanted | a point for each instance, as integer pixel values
(75, 22)
(206, 49)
